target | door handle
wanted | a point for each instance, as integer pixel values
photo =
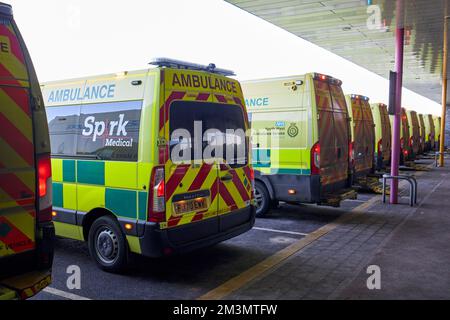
(228, 177)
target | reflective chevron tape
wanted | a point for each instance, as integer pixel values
(16, 237)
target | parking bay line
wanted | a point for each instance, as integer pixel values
(64, 294)
(281, 231)
(279, 257)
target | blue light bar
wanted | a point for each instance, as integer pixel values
(178, 64)
(358, 96)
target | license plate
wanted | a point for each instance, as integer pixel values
(194, 205)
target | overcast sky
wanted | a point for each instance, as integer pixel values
(74, 38)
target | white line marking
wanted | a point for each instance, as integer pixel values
(64, 294)
(281, 231)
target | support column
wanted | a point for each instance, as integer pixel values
(444, 93)
(399, 46)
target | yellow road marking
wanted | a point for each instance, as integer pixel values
(279, 257)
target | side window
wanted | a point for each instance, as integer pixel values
(64, 127)
(110, 131)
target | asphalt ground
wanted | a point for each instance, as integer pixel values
(194, 274)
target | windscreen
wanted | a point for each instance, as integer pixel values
(207, 132)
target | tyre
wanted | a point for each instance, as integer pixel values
(107, 245)
(274, 204)
(262, 198)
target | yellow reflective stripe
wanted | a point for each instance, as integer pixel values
(186, 219)
(4, 250)
(234, 194)
(10, 158)
(24, 222)
(12, 64)
(27, 177)
(133, 243)
(16, 116)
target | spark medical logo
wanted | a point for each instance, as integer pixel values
(78, 94)
(113, 128)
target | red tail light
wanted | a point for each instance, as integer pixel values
(351, 153)
(44, 175)
(405, 152)
(315, 159)
(252, 174)
(380, 146)
(157, 197)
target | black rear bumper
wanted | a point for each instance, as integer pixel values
(309, 188)
(158, 242)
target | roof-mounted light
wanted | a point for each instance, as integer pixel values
(178, 64)
(359, 97)
(323, 77)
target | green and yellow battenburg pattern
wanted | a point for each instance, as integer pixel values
(83, 185)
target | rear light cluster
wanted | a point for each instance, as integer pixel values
(380, 146)
(351, 153)
(315, 159)
(157, 197)
(323, 77)
(44, 175)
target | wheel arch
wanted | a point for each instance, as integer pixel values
(265, 180)
(93, 215)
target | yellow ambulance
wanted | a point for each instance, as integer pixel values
(383, 135)
(300, 138)
(152, 162)
(26, 230)
(429, 132)
(414, 132)
(437, 132)
(422, 133)
(362, 146)
(405, 150)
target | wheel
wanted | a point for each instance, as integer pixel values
(262, 199)
(107, 245)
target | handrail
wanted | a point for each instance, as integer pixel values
(413, 186)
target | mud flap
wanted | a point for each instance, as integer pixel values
(335, 199)
(371, 184)
(412, 166)
(24, 286)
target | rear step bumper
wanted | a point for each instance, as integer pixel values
(157, 243)
(334, 199)
(24, 286)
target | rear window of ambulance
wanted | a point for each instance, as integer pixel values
(220, 125)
